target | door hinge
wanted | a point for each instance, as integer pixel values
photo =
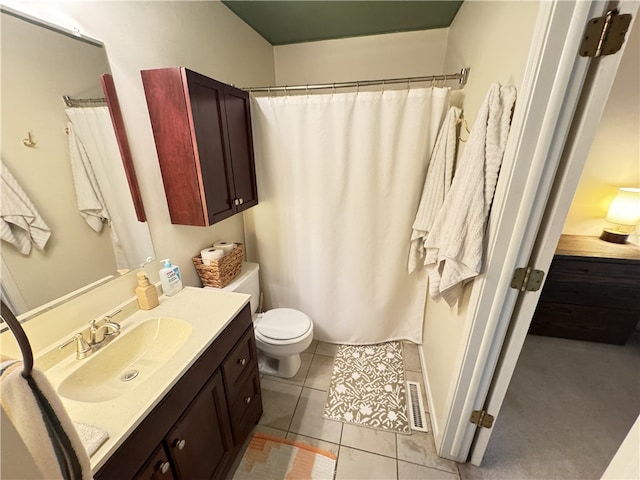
(605, 35)
(527, 279)
(481, 418)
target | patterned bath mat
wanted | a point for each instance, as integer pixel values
(273, 457)
(368, 387)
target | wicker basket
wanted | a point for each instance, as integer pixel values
(221, 272)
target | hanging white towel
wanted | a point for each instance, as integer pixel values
(36, 412)
(90, 201)
(454, 246)
(436, 185)
(20, 223)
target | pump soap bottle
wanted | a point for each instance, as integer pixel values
(146, 293)
(170, 278)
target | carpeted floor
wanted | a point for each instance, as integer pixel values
(568, 408)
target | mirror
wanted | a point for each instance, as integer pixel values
(40, 65)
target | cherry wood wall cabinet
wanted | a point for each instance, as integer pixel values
(591, 292)
(199, 427)
(202, 131)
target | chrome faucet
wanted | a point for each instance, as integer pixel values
(100, 333)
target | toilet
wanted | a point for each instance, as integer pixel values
(281, 334)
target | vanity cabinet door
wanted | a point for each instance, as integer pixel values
(202, 131)
(200, 443)
(157, 467)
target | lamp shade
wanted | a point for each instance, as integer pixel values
(625, 208)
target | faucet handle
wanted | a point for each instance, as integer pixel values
(82, 347)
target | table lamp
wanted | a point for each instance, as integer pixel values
(624, 214)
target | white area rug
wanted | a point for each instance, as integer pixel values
(368, 387)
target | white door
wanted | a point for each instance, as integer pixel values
(585, 123)
(565, 95)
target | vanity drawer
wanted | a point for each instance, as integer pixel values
(247, 408)
(241, 360)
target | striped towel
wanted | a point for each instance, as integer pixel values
(436, 185)
(39, 417)
(20, 223)
(91, 203)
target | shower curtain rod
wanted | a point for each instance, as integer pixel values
(462, 76)
(83, 102)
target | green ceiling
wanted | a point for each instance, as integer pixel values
(285, 22)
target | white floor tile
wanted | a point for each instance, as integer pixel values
(320, 371)
(420, 448)
(374, 441)
(314, 442)
(308, 419)
(356, 464)
(311, 348)
(411, 357)
(411, 471)
(279, 402)
(328, 349)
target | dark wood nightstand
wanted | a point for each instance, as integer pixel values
(592, 291)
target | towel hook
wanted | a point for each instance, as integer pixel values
(463, 121)
(28, 142)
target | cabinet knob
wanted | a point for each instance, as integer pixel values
(236, 202)
(164, 467)
(241, 201)
(180, 444)
(242, 362)
(247, 400)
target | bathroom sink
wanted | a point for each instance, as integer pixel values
(127, 361)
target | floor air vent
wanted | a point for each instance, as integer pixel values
(416, 407)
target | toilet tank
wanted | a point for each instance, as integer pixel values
(247, 282)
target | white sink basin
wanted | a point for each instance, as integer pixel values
(127, 361)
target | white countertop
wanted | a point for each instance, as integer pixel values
(208, 311)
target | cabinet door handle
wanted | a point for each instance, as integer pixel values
(236, 202)
(241, 201)
(247, 400)
(242, 362)
(180, 444)
(164, 467)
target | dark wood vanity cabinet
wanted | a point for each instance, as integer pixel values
(202, 131)
(199, 427)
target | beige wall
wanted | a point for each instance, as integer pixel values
(204, 36)
(492, 38)
(614, 159)
(39, 66)
(394, 55)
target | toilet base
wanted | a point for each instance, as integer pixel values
(286, 367)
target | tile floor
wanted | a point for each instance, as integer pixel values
(293, 409)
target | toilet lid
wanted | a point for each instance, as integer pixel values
(283, 324)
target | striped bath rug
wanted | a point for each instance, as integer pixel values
(368, 387)
(269, 457)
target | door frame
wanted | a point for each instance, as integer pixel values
(591, 104)
(552, 85)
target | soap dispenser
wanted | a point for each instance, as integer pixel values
(146, 293)
(170, 278)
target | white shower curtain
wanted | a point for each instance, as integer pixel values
(93, 127)
(339, 179)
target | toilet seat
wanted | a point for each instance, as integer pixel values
(282, 326)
